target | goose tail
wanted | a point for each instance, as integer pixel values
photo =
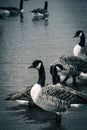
(8, 98)
(13, 96)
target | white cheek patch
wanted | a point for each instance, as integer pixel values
(58, 69)
(39, 65)
(80, 34)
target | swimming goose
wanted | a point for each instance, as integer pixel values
(41, 13)
(23, 96)
(72, 66)
(53, 98)
(80, 49)
(11, 11)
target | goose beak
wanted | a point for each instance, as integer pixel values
(30, 67)
(74, 36)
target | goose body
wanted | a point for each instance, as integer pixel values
(77, 62)
(80, 49)
(4, 13)
(72, 66)
(54, 98)
(11, 11)
(41, 13)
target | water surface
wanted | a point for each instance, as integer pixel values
(22, 41)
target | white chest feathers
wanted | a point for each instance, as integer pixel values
(35, 92)
(77, 50)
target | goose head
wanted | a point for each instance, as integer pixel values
(38, 64)
(78, 33)
(54, 69)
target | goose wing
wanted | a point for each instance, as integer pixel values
(74, 61)
(36, 10)
(84, 50)
(66, 94)
(9, 8)
(21, 95)
(39, 10)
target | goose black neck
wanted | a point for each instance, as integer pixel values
(55, 76)
(46, 5)
(55, 79)
(21, 4)
(82, 40)
(42, 77)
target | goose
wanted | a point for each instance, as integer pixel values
(54, 98)
(80, 49)
(72, 66)
(41, 13)
(23, 97)
(11, 11)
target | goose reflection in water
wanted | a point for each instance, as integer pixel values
(35, 115)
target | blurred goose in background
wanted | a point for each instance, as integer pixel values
(53, 98)
(80, 49)
(11, 11)
(71, 66)
(41, 13)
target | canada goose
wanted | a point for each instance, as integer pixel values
(54, 98)
(41, 13)
(72, 66)
(80, 49)
(11, 11)
(23, 96)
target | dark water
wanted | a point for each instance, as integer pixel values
(22, 41)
